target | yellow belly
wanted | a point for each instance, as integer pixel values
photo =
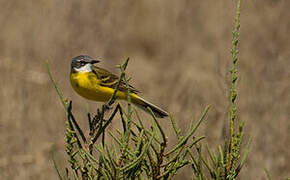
(88, 86)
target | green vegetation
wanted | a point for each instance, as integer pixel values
(139, 152)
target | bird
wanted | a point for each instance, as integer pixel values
(98, 84)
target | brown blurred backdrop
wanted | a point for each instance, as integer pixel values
(180, 57)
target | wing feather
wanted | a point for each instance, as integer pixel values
(110, 80)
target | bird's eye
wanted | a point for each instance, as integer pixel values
(83, 63)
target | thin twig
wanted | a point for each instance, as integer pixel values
(75, 122)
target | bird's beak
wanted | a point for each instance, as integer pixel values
(94, 61)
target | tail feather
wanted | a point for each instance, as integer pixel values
(143, 104)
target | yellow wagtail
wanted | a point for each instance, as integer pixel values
(97, 84)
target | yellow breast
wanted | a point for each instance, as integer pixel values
(88, 86)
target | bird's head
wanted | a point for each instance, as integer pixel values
(83, 63)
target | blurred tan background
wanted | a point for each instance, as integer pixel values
(180, 57)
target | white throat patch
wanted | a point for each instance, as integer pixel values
(85, 68)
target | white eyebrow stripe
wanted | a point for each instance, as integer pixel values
(85, 68)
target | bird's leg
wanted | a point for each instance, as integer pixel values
(106, 107)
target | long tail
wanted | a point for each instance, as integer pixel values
(143, 104)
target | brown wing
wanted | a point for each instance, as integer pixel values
(110, 80)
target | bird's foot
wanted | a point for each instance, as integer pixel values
(106, 107)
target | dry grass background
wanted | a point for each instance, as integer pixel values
(180, 57)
